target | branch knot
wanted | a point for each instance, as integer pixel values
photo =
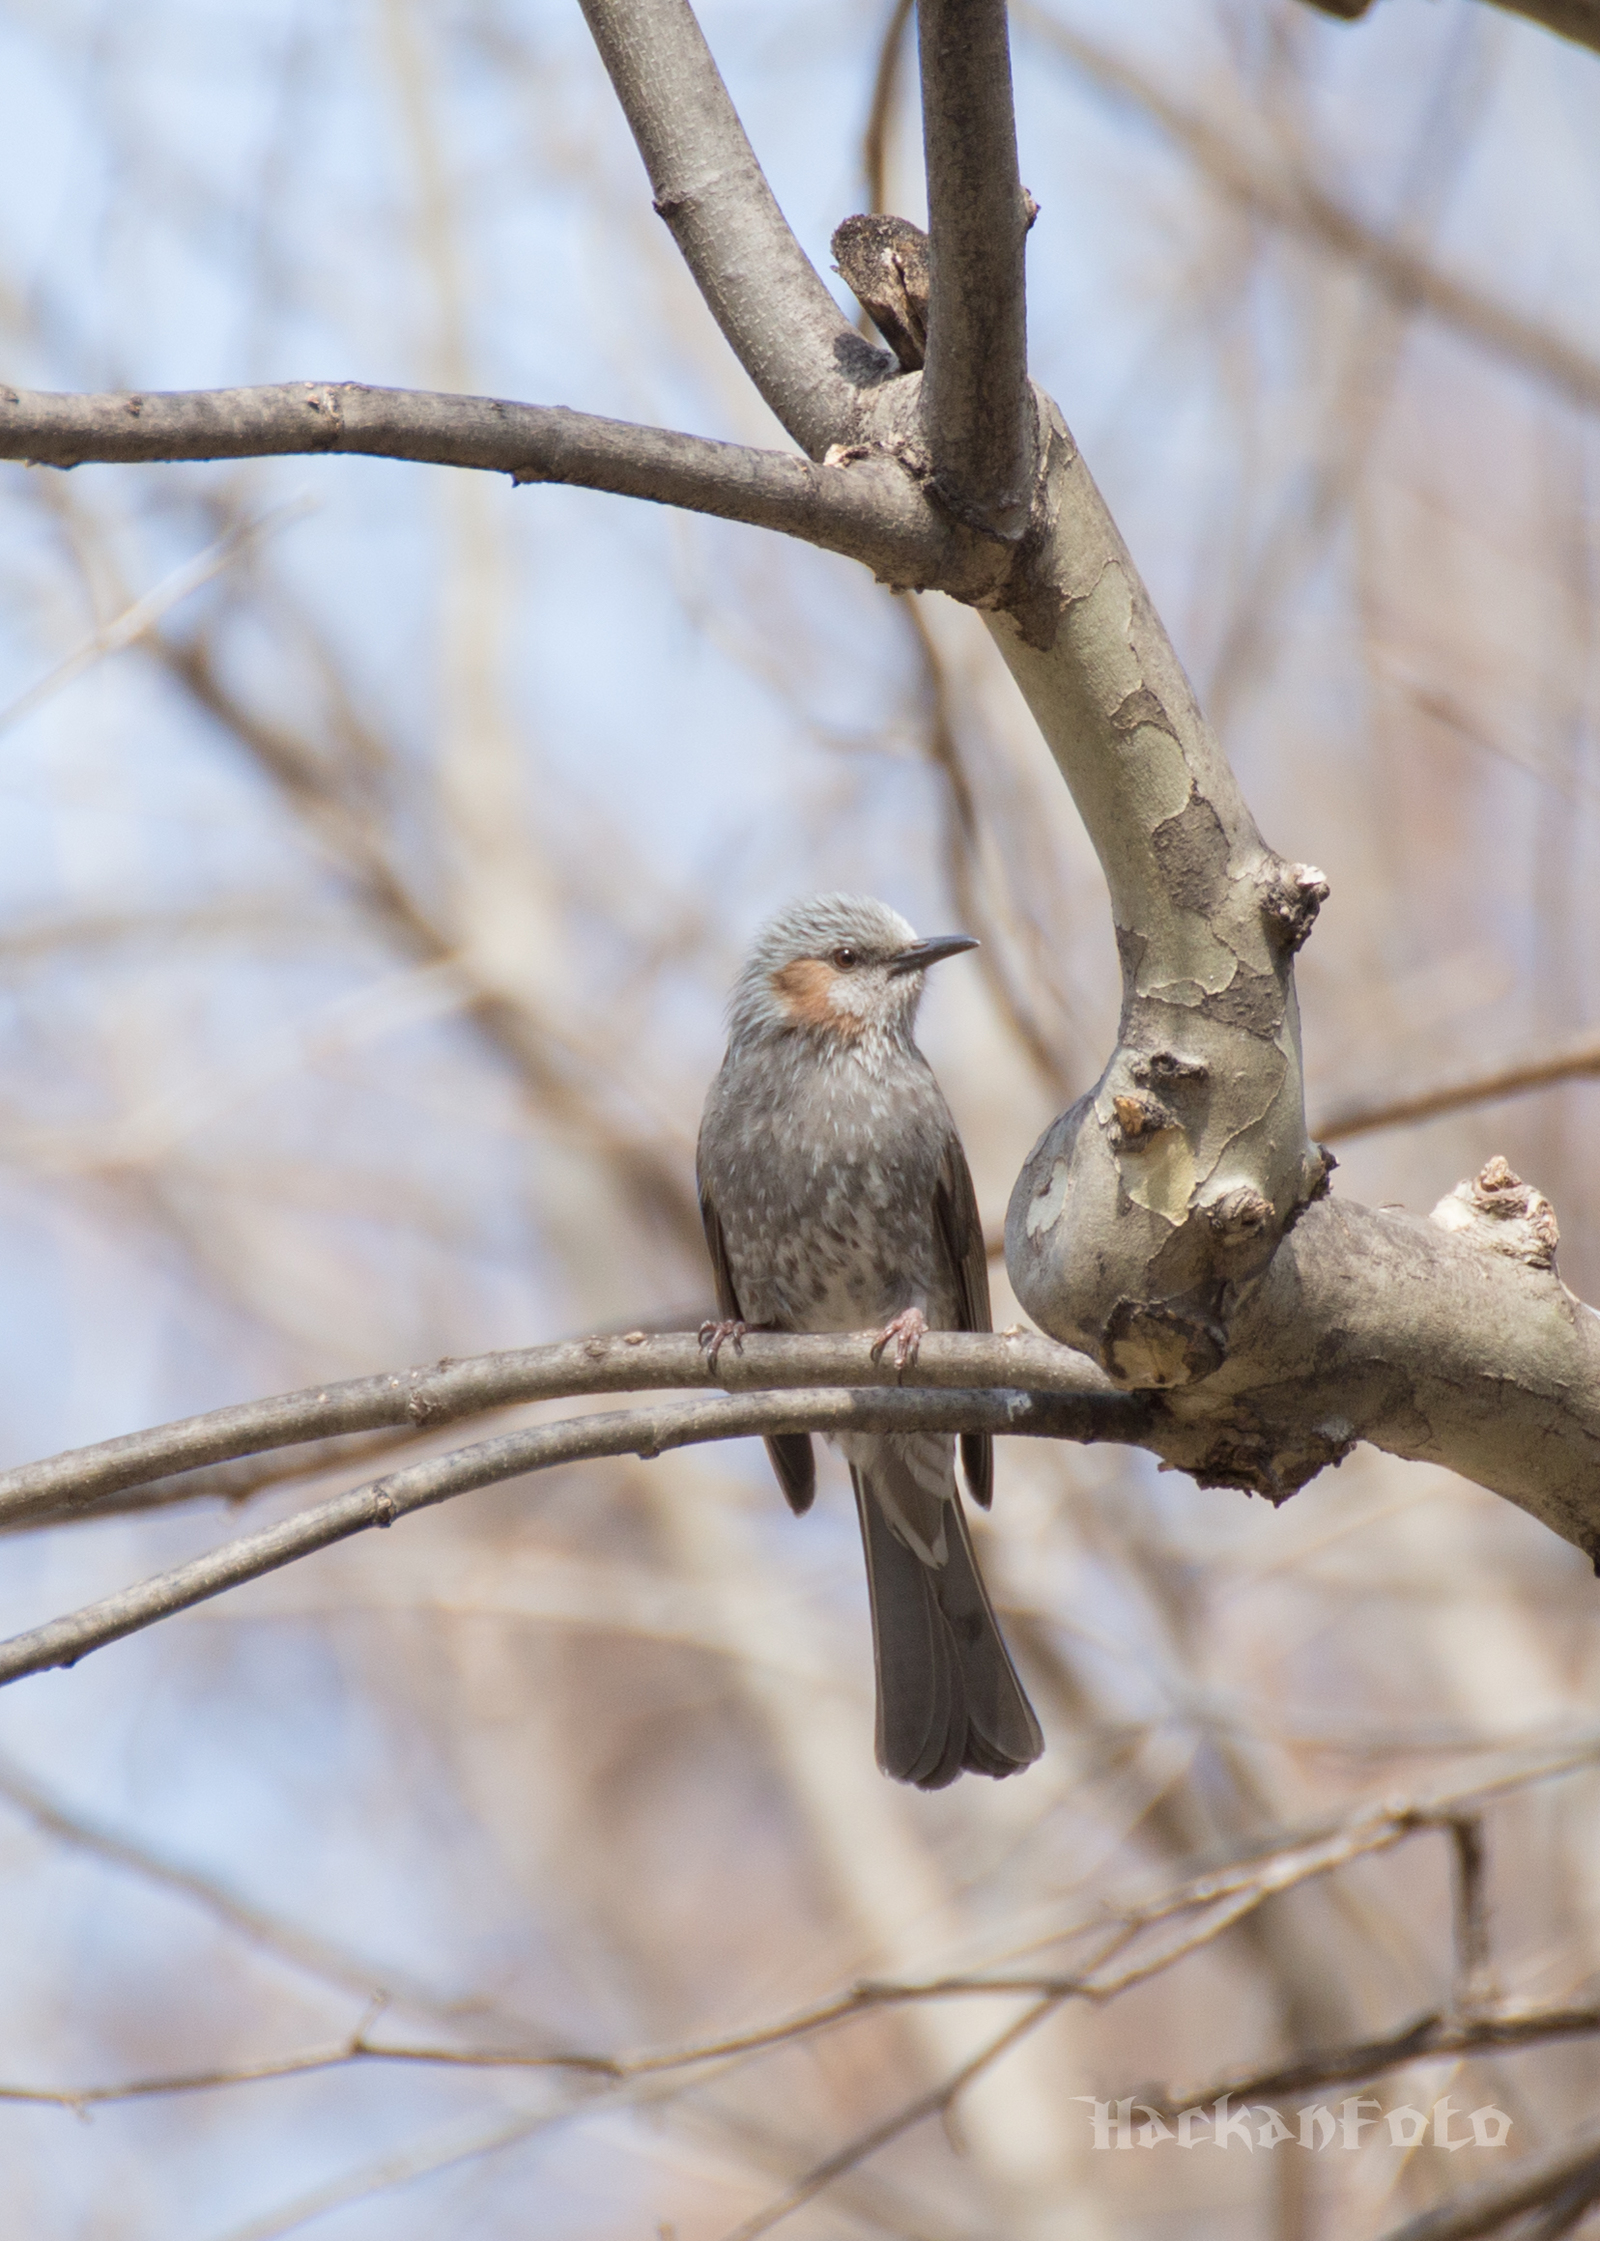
(1501, 1213)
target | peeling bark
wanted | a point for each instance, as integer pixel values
(1428, 1342)
(1143, 1210)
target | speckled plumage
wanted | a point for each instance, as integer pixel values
(836, 1197)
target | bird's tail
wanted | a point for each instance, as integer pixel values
(948, 1694)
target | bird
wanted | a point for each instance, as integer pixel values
(836, 1196)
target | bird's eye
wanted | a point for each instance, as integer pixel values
(846, 957)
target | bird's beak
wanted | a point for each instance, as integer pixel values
(922, 954)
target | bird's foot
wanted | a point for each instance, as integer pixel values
(906, 1333)
(715, 1336)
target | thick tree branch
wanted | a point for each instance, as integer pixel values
(1143, 1211)
(1445, 1345)
(643, 1432)
(869, 508)
(977, 411)
(440, 1393)
(787, 332)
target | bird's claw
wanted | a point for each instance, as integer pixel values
(714, 1336)
(906, 1333)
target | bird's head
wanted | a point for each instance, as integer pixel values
(842, 968)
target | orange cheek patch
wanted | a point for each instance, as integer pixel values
(805, 990)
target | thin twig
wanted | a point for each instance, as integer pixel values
(885, 91)
(1214, 1902)
(1470, 1913)
(1429, 2039)
(1577, 1060)
(143, 614)
(1577, 20)
(936, 2102)
(1482, 2209)
(1293, 201)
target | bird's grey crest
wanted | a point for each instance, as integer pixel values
(867, 939)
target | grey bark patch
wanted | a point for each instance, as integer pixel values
(1192, 852)
(1131, 949)
(1142, 708)
(1252, 1002)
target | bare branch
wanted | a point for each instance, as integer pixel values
(143, 615)
(1578, 20)
(869, 509)
(1472, 1985)
(446, 1392)
(1295, 201)
(232, 1482)
(885, 89)
(642, 1432)
(1481, 2209)
(567, 1095)
(937, 2102)
(784, 327)
(1577, 1060)
(1429, 2039)
(976, 408)
(285, 1940)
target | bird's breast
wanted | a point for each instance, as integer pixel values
(823, 1178)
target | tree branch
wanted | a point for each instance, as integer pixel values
(1442, 1345)
(440, 1393)
(1426, 2040)
(885, 87)
(868, 508)
(233, 1482)
(1577, 1060)
(784, 327)
(1294, 200)
(977, 411)
(1481, 2209)
(1578, 20)
(642, 1432)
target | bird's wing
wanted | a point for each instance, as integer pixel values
(960, 1233)
(791, 1455)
